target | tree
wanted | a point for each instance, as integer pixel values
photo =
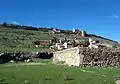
(4, 24)
(54, 40)
(37, 43)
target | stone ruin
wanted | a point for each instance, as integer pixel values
(100, 57)
(69, 56)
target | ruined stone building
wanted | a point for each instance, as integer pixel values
(70, 57)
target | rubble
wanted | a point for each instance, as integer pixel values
(101, 57)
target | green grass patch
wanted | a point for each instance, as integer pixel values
(10, 49)
(53, 74)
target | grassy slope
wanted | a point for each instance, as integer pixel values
(13, 40)
(53, 74)
(21, 40)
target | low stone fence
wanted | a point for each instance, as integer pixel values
(101, 57)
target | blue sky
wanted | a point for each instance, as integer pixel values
(101, 17)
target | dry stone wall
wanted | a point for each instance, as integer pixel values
(101, 57)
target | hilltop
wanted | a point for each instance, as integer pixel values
(20, 38)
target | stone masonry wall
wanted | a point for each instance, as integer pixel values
(101, 57)
(69, 57)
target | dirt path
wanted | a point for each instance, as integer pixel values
(8, 65)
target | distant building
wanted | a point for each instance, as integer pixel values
(82, 33)
(75, 30)
(97, 44)
(54, 30)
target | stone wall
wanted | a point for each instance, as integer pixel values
(69, 57)
(101, 57)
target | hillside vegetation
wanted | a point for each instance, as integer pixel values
(18, 39)
(14, 38)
